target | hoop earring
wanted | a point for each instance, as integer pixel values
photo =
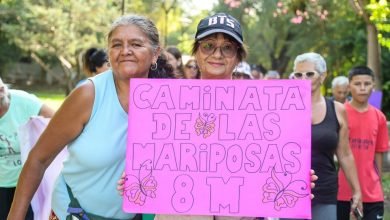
(154, 66)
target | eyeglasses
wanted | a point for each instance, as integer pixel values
(308, 75)
(228, 50)
(192, 67)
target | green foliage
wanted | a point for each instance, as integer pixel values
(57, 31)
(386, 183)
(386, 82)
(277, 31)
(380, 13)
(72, 29)
(174, 20)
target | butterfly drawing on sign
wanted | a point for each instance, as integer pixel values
(138, 188)
(282, 191)
(205, 124)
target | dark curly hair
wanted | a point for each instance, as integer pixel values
(164, 69)
(93, 58)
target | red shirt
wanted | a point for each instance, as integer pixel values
(367, 136)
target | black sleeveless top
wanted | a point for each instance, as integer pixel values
(324, 141)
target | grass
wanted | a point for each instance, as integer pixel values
(51, 96)
(53, 100)
(386, 183)
(386, 189)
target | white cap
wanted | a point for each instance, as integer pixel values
(243, 67)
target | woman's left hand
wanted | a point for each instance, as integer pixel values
(313, 178)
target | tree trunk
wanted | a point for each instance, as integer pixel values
(67, 68)
(374, 54)
(45, 67)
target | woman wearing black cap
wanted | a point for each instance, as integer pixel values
(218, 48)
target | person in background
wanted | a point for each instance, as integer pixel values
(93, 110)
(16, 108)
(95, 61)
(368, 139)
(340, 89)
(191, 70)
(242, 71)
(329, 136)
(175, 59)
(257, 71)
(272, 74)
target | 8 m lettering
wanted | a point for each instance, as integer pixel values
(183, 199)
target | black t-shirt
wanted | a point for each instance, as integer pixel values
(324, 141)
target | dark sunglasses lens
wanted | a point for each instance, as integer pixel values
(298, 75)
(310, 74)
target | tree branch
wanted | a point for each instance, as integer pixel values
(358, 6)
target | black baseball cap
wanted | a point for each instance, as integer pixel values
(219, 23)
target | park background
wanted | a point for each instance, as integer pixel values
(42, 41)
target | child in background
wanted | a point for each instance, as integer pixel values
(368, 139)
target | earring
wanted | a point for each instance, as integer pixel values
(154, 66)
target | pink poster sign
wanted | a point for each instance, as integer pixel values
(219, 147)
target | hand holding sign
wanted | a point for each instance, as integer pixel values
(199, 147)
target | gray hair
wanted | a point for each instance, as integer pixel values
(4, 84)
(315, 58)
(6, 100)
(340, 81)
(272, 74)
(143, 23)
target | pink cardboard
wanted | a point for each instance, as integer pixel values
(219, 147)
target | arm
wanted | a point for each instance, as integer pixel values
(46, 111)
(345, 157)
(65, 126)
(382, 142)
(379, 162)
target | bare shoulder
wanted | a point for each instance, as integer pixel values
(340, 108)
(341, 113)
(79, 102)
(84, 91)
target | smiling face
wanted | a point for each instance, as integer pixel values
(130, 52)
(361, 87)
(216, 65)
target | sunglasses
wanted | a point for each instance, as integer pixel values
(308, 75)
(227, 49)
(192, 67)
